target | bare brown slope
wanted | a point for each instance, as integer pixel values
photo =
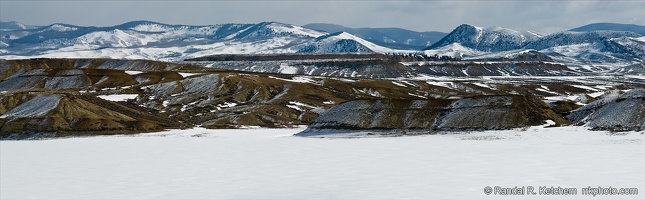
(427, 116)
(82, 115)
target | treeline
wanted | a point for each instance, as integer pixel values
(387, 57)
(418, 56)
(277, 57)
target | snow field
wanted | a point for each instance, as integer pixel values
(273, 164)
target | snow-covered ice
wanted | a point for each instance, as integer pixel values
(273, 164)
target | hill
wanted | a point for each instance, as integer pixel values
(611, 27)
(394, 38)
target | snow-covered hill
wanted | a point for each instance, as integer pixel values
(157, 41)
(395, 38)
(599, 46)
(487, 39)
(341, 42)
(611, 27)
(9, 26)
(606, 48)
(572, 38)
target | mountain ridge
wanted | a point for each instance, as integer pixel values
(640, 29)
(158, 41)
(486, 39)
(397, 38)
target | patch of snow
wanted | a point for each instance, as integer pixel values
(585, 87)
(141, 80)
(301, 104)
(298, 108)
(186, 74)
(133, 72)
(329, 102)
(282, 28)
(596, 94)
(604, 87)
(368, 91)
(151, 28)
(483, 85)
(303, 107)
(442, 84)
(370, 45)
(398, 84)
(118, 97)
(410, 83)
(295, 79)
(226, 105)
(286, 69)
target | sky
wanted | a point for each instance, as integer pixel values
(547, 16)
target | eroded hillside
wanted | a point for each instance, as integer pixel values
(98, 96)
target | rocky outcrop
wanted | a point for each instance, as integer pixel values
(614, 112)
(66, 114)
(427, 116)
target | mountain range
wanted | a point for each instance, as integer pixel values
(598, 44)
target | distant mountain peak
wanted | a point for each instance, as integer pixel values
(395, 38)
(572, 38)
(60, 27)
(341, 42)
(611, 27)
(138, 22)
(487, 39)
(12, 25)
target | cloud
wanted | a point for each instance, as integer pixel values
(543, 16)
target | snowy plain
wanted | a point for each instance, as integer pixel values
(272, 164)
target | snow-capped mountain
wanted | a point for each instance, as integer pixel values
(10, 26)
(395, 38)
(487, 39)
(157, 41)
(605, 47)
(596, 46)
(572, 38)
(341, 42)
